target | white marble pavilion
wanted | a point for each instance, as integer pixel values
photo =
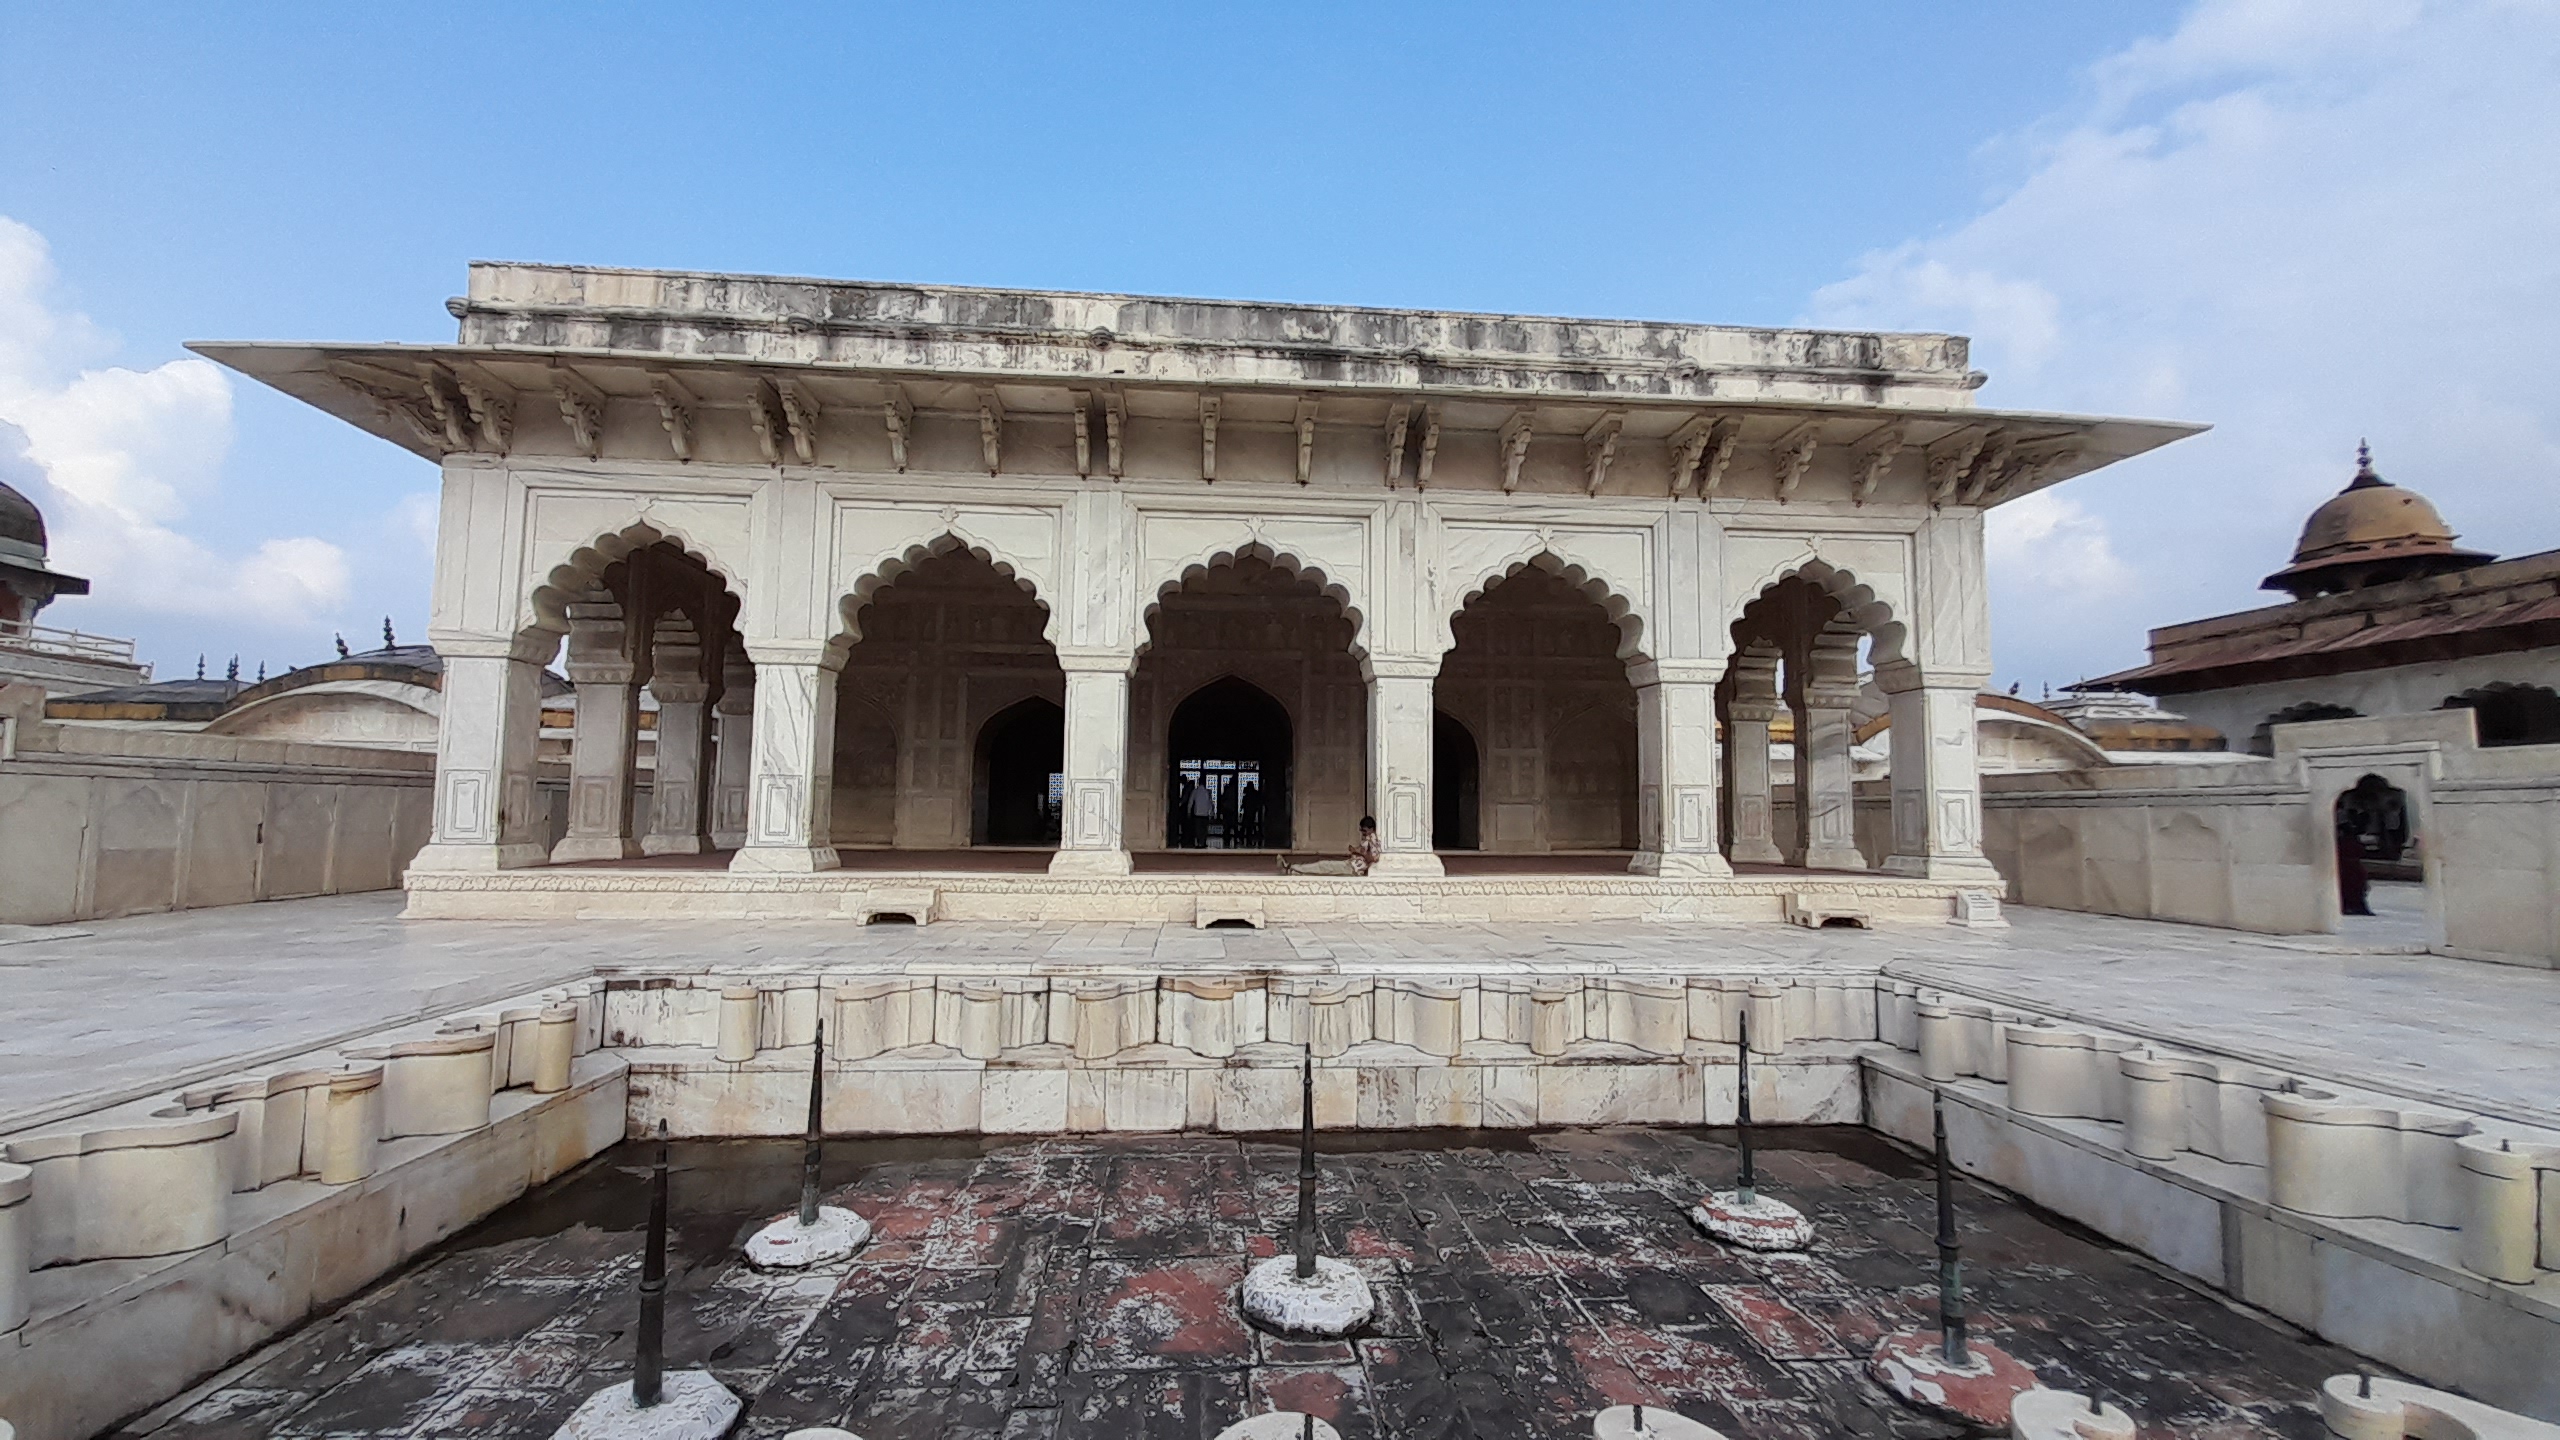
(926, 581)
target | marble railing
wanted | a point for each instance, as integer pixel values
(2317, 1150)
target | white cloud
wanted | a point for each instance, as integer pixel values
(126, 453)
(2305, 221)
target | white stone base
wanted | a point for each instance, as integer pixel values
(1621, 1422)
(786, 1244)
(691, 1406)
(1764, 1224)
(1332, 1304)
(2397, 1408)
(1274, 1425)
(2043, 1414)
(784, 884)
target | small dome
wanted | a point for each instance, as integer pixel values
(2370, 533)
(20, 520)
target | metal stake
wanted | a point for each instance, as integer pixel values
(648, 1362)
(1307, 1166)
(1746, 1192)
(1950, 1264)
(817, 1128)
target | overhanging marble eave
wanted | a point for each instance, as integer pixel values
(360, 383)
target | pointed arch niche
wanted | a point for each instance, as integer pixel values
(1537, 678)
(1250, 625)
(947, 709)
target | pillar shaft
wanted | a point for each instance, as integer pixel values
(1090, 841)
(487, 813)
(1827, 822)
(788, 820)
(1937, 789)
(1400, 766)
(1676, 770)
(1746, 747)
(678, 802)
(733, 763)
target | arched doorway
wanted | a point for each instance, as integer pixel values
(2508, 713)
(1228, 750)
(1456, 790)
(1020, 775)
(1248, 659)
(2375, 814)
(1796, 679)
(947, 710)
(1535, 673)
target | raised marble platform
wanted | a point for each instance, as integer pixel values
(1013, 897)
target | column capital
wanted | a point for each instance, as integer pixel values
(1399, 667)
(1898, 676)
(602, 672)
(1675, 672)
(1097, 662)
(533, 647)
(823, 654)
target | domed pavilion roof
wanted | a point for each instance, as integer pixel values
(21, 525)
(2371, 533)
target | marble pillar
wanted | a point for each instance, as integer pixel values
(601, 759)
(733, 753)
(677, 808)
(1676, 769)
(487, 812)
(792, 780)
(1937, 789)
(1747, 716)
(1400, 765)
(1827, 816)
(1090, 841)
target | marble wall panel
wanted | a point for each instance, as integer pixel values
(226, 822)
(300, 822)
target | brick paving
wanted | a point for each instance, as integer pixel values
(1085, 1286)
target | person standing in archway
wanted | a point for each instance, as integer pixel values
(1202, 808)
(2352, 881)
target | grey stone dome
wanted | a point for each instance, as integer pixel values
(20, 520)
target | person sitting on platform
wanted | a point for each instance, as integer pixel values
(1364, 853)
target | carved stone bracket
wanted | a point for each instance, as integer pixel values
(1430, 447)
(1995, 460)
(764, 416)
(1793, 455)
(1600, 446)
(1115, 422)
(1875, 460)
(1209, 437)
(675, 412)
(899, 414)
(582, 406)
(445, 403)
(1399, 420)
(1306, 420)
(1515, 448)
(990, 428)
(800, 411)
(1948, 457)
(1080, 403)
(1719, 454)
(493, 410)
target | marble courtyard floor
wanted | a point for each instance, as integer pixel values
(1084, 1287)
(110, 1010)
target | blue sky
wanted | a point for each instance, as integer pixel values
(2302, 220)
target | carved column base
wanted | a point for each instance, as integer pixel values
(1680, 864)
(595, 847)
(784, 859)
(1946, 867)
(1409, 864)
(1757, 850)
(675, 845)
(1090, 862)
(477, 859)
(1834, 857)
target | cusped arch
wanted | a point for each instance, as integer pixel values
(1278, 558)
(850, 606)
(1623, 612)
(579, 573)
(1859, 603)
